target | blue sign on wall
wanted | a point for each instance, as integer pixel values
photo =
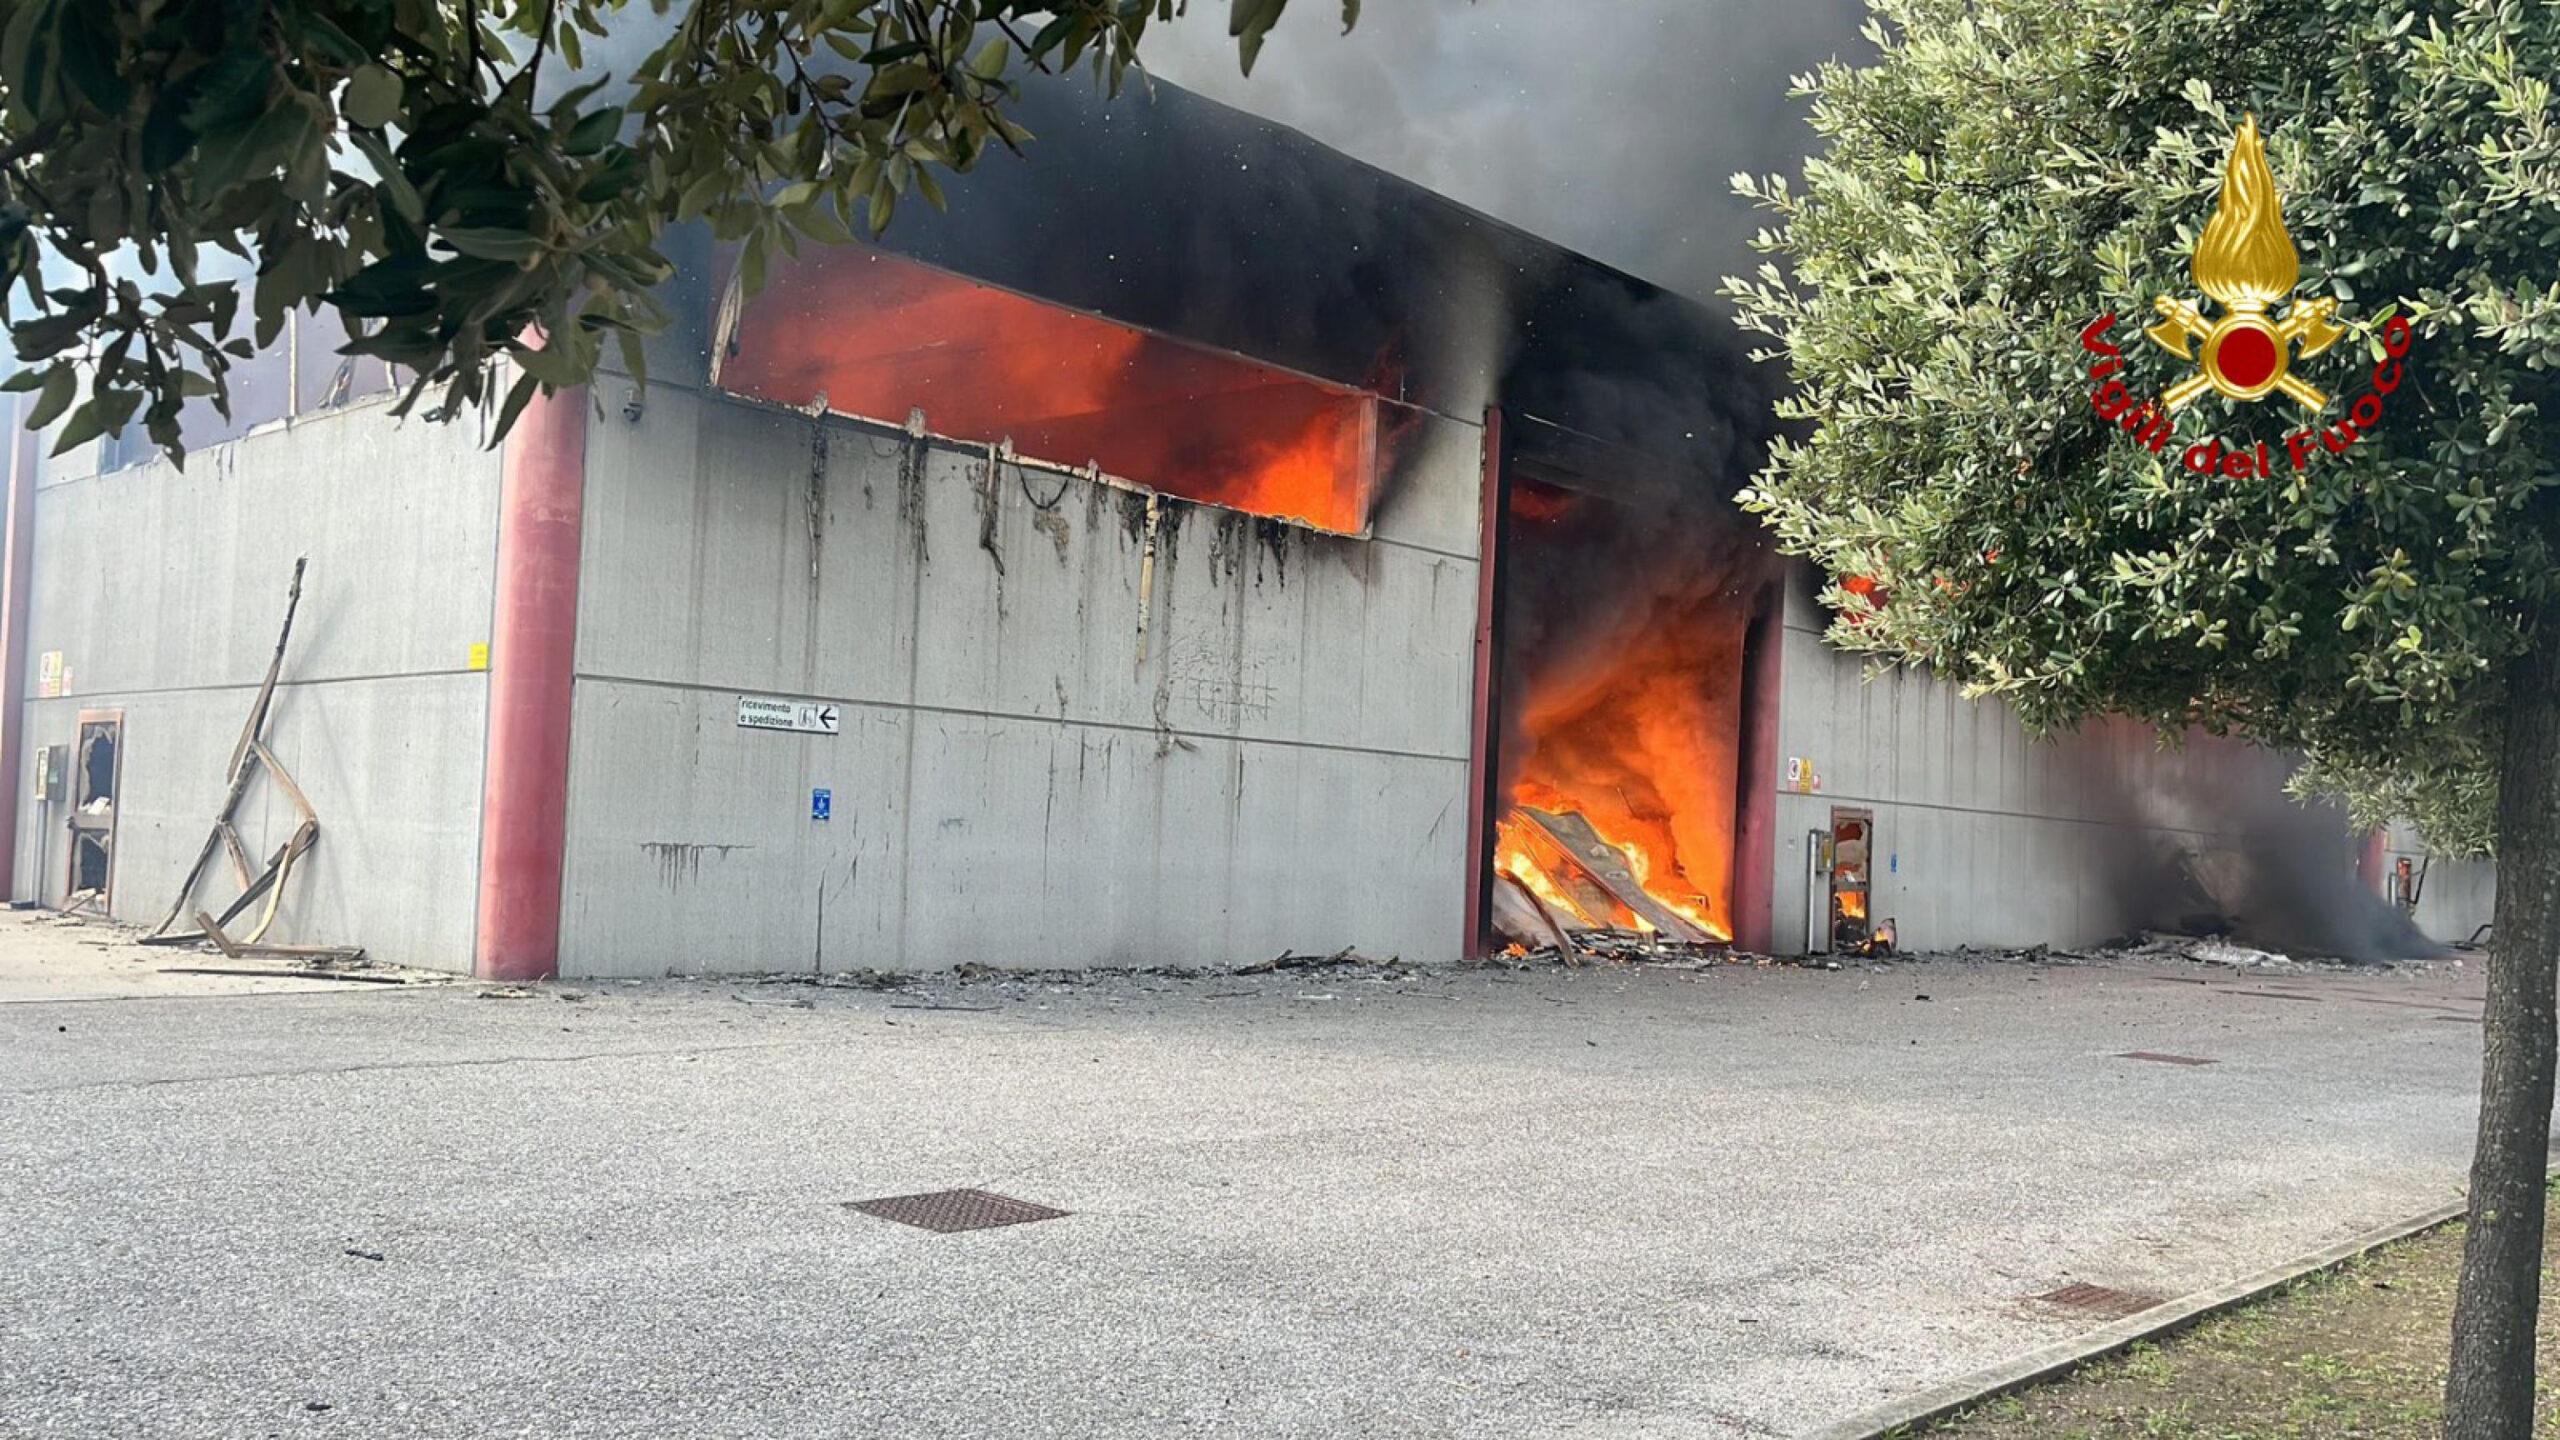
(822, 804)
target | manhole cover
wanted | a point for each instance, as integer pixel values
(2156, 1058)
(2098, 1300)
(947, 1211)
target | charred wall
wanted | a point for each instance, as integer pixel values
(1070, 735)
(1173, 213)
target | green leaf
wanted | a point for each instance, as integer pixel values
(92, 55)
(595, 130)
(821, 223)
(390, 180)
(102, 414)
(265, 145)
(491, 243)
(372, 97)
(61, 383)
(518, 397)
(553, 364)
(233, 90)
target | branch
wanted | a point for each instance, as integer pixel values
(1038, 62)
(541, 49)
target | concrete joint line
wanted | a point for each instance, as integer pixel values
(2054, 1361)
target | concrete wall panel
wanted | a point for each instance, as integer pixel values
(1985, 835)
(696, 834)
(1071, 735)
(162, 590)
(1427, 499)
(2456, 897)
(160, 578)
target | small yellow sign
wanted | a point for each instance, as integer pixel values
(480, 655)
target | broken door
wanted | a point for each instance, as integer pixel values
(97, 770)
(1852, 852)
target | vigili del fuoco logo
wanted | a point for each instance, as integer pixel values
(2245, 263)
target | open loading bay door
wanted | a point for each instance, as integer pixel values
(1625, 596)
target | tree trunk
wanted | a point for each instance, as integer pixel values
(2489, 1394)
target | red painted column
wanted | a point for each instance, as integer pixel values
(1481, 776)
(533, 635)
(17, 584)
(1755, 825)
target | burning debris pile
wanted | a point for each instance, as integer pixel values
(1622, 684)
(1559, 884)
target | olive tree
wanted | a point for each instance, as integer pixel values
(1972, 435)
(464, 180)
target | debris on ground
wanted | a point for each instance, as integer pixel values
(2169, 947)
(803, 1003)
(1637, 947)
(334, 968)
(1595, 949)
(1290, 960)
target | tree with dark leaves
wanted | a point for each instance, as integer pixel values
(2348, 547)
(456, 179)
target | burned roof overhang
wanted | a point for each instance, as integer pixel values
(1171, 212)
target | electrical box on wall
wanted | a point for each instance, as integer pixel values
(49, 768)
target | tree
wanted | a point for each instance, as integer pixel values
(456, 178)
(2005, 173)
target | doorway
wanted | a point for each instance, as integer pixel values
(1851, 857)
(97, 774)
(1614, 651)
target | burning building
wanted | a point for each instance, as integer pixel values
(1196, 547)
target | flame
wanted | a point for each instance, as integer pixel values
(1676, 898)
(1853, 904)
(2245, 258)
(877, 336)
(1636, 729)
(1644, 752)
(1516, 854)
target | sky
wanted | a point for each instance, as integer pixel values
(1609, 126)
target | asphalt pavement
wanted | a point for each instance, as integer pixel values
(1735, 1202)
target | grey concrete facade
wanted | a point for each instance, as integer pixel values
(2455, 897)
(1054, 750)
(1988, 836)
(160, 589)
(1985, 835)
(1068, 738)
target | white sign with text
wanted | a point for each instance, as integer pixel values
(764, 712)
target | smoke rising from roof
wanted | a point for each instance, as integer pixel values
(1610, 129)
